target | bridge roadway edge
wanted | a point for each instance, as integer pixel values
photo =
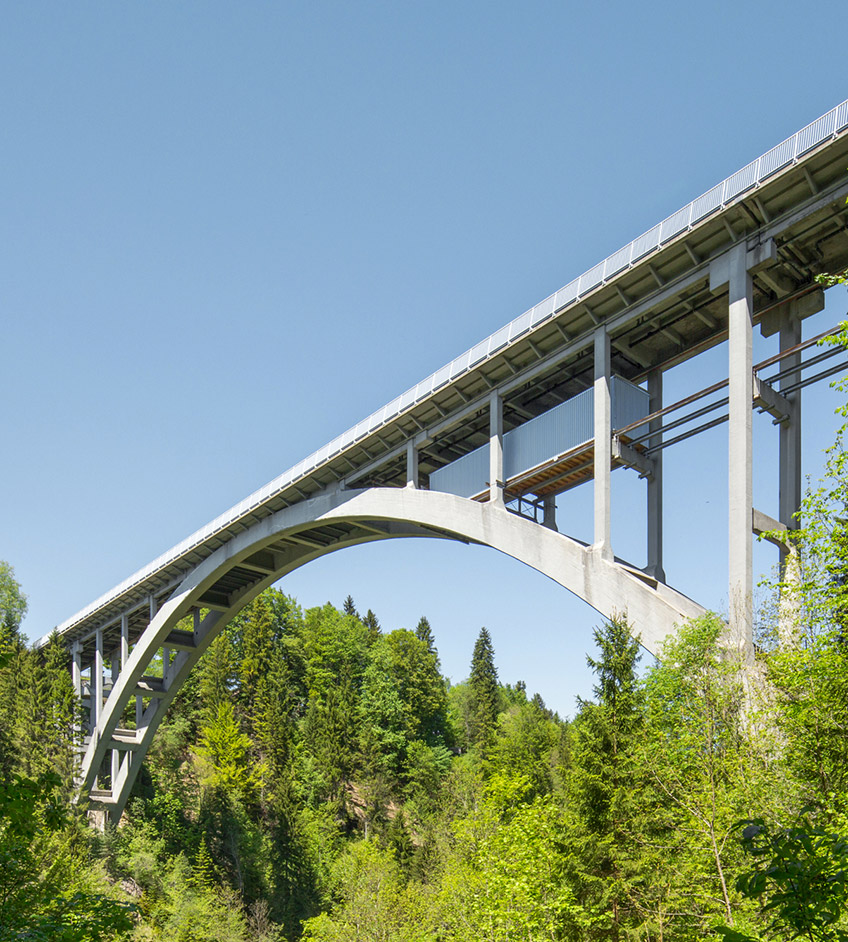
(611, 587)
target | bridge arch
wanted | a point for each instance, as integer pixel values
(278, 544)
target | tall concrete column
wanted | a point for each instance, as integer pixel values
(411, 465)
(740, 453)
(496, 461)
(655, 482)
(549, 512)
(125, 640)
(76, 668)
(789, 499)
(97, 680)
(789, 487)
(603, 444)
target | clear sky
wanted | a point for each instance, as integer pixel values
(232, 230)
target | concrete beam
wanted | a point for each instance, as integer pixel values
(767, 399)
(763, 525)
(631, 458)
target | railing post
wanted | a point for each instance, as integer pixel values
(496, 462)
(603, 444)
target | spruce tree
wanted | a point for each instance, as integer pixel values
(349, 607)
(372, 624)
(483, 683)
(424, 633)
(603, 781)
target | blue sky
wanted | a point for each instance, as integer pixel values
(230, 231)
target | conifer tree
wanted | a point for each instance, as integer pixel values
(483, 684)
(349, 608)
(602, 780)
(372, 624)
(12, 609)
(13, 606)
(424, 633)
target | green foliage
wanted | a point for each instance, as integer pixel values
(800, 878)
(48, 892)
(13, 606)
(483, 688)
(224, 750)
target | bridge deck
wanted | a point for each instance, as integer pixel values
(654, 299)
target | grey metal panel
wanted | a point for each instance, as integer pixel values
(740, 181)
(618, 261)
(459, 365)
(478, 352)
(842, 116)
(815, 133)
(592, 278)
(567, 294)
(392, 408)
(675, 223)
(500, 338)
(706, 204)
(646, 242)
(777, 158)
(466, 476)
(520, 325)
(628, 402)
(549, 434)
(424, 388)
(406, 399)
(542, 311)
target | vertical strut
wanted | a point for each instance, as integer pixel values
(740, 453)
(655, 482)
(496, 460)
(603, 443)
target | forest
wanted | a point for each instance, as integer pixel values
(318, 778)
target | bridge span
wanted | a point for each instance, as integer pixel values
(562, 395)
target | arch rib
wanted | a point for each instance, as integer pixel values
(610, 586)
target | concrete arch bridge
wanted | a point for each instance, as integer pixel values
(564, 394)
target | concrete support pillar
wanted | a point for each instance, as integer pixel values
(655, 482)
(740, 454)
(496, 459)
(76, 678)
(411, 465)
(790, 482)
(97, 679)
(603, 444)
(115, 665)
(76, 668)
(125, 640)
(790, 430)
(116, 768)
(549, 512)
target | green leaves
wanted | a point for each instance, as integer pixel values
(799, 878)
